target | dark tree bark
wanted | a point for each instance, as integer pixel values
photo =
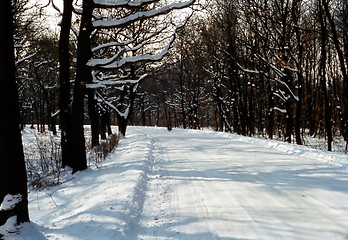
(143, 111)
(295, 9)
(64, 89)
(122, 124)
(270, 113)
(108, 122)
(103, 121)
(13, 178)
(342, 62)
(83, 76)
(182, 100)
(345, 84)
(122, 121)
(287, 75)
(327, 107)
(93, 117)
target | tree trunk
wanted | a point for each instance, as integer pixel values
(295, 9)
(270, 114)
(83, 76)
(327, 107)
(93, 117)
(13, 178)
(64, 86)
(182, 100)
(122, 124)
(289, 124)
(108, 123)
(103, 121)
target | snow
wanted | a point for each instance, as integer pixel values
(10, 201)
(9, 227)
(189, 184)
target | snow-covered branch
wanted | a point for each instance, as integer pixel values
(119, 22)
(121, 3)
(38, 64)
(132, 60)
(103, 62)
(280, 110)
(247, 70)
(287, 86)
(115, 81)
(282, 97)
(25, 58)
(112, 44)
(122, 114)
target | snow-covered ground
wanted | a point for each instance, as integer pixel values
(188, 184)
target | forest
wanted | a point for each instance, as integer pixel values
(270, 68)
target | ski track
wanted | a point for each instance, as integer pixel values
(197, 185)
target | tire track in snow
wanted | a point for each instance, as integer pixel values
(133, 227)
(175, 224)
(148, 214)
(159, 211)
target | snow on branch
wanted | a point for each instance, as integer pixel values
(287, 86)
(276, 70)
(280, 74)
(103, 62)
(121, 3)
(282, 97)
(291, 69)
(115, 81)
(137, 45)
(280, 110)
(25, 58)
(122, 114)
(112, 44)
(119, 22)
(247, 70)
(38, 64)
(133, 59)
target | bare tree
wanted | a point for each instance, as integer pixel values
(64, 85)
(13, 179)
(124, 56)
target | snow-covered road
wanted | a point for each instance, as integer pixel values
(188, 184)
(219, 186)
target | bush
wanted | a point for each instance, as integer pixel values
(43, 159)
(100, 152)
(42, 152)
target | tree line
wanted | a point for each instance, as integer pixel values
(269, 68)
